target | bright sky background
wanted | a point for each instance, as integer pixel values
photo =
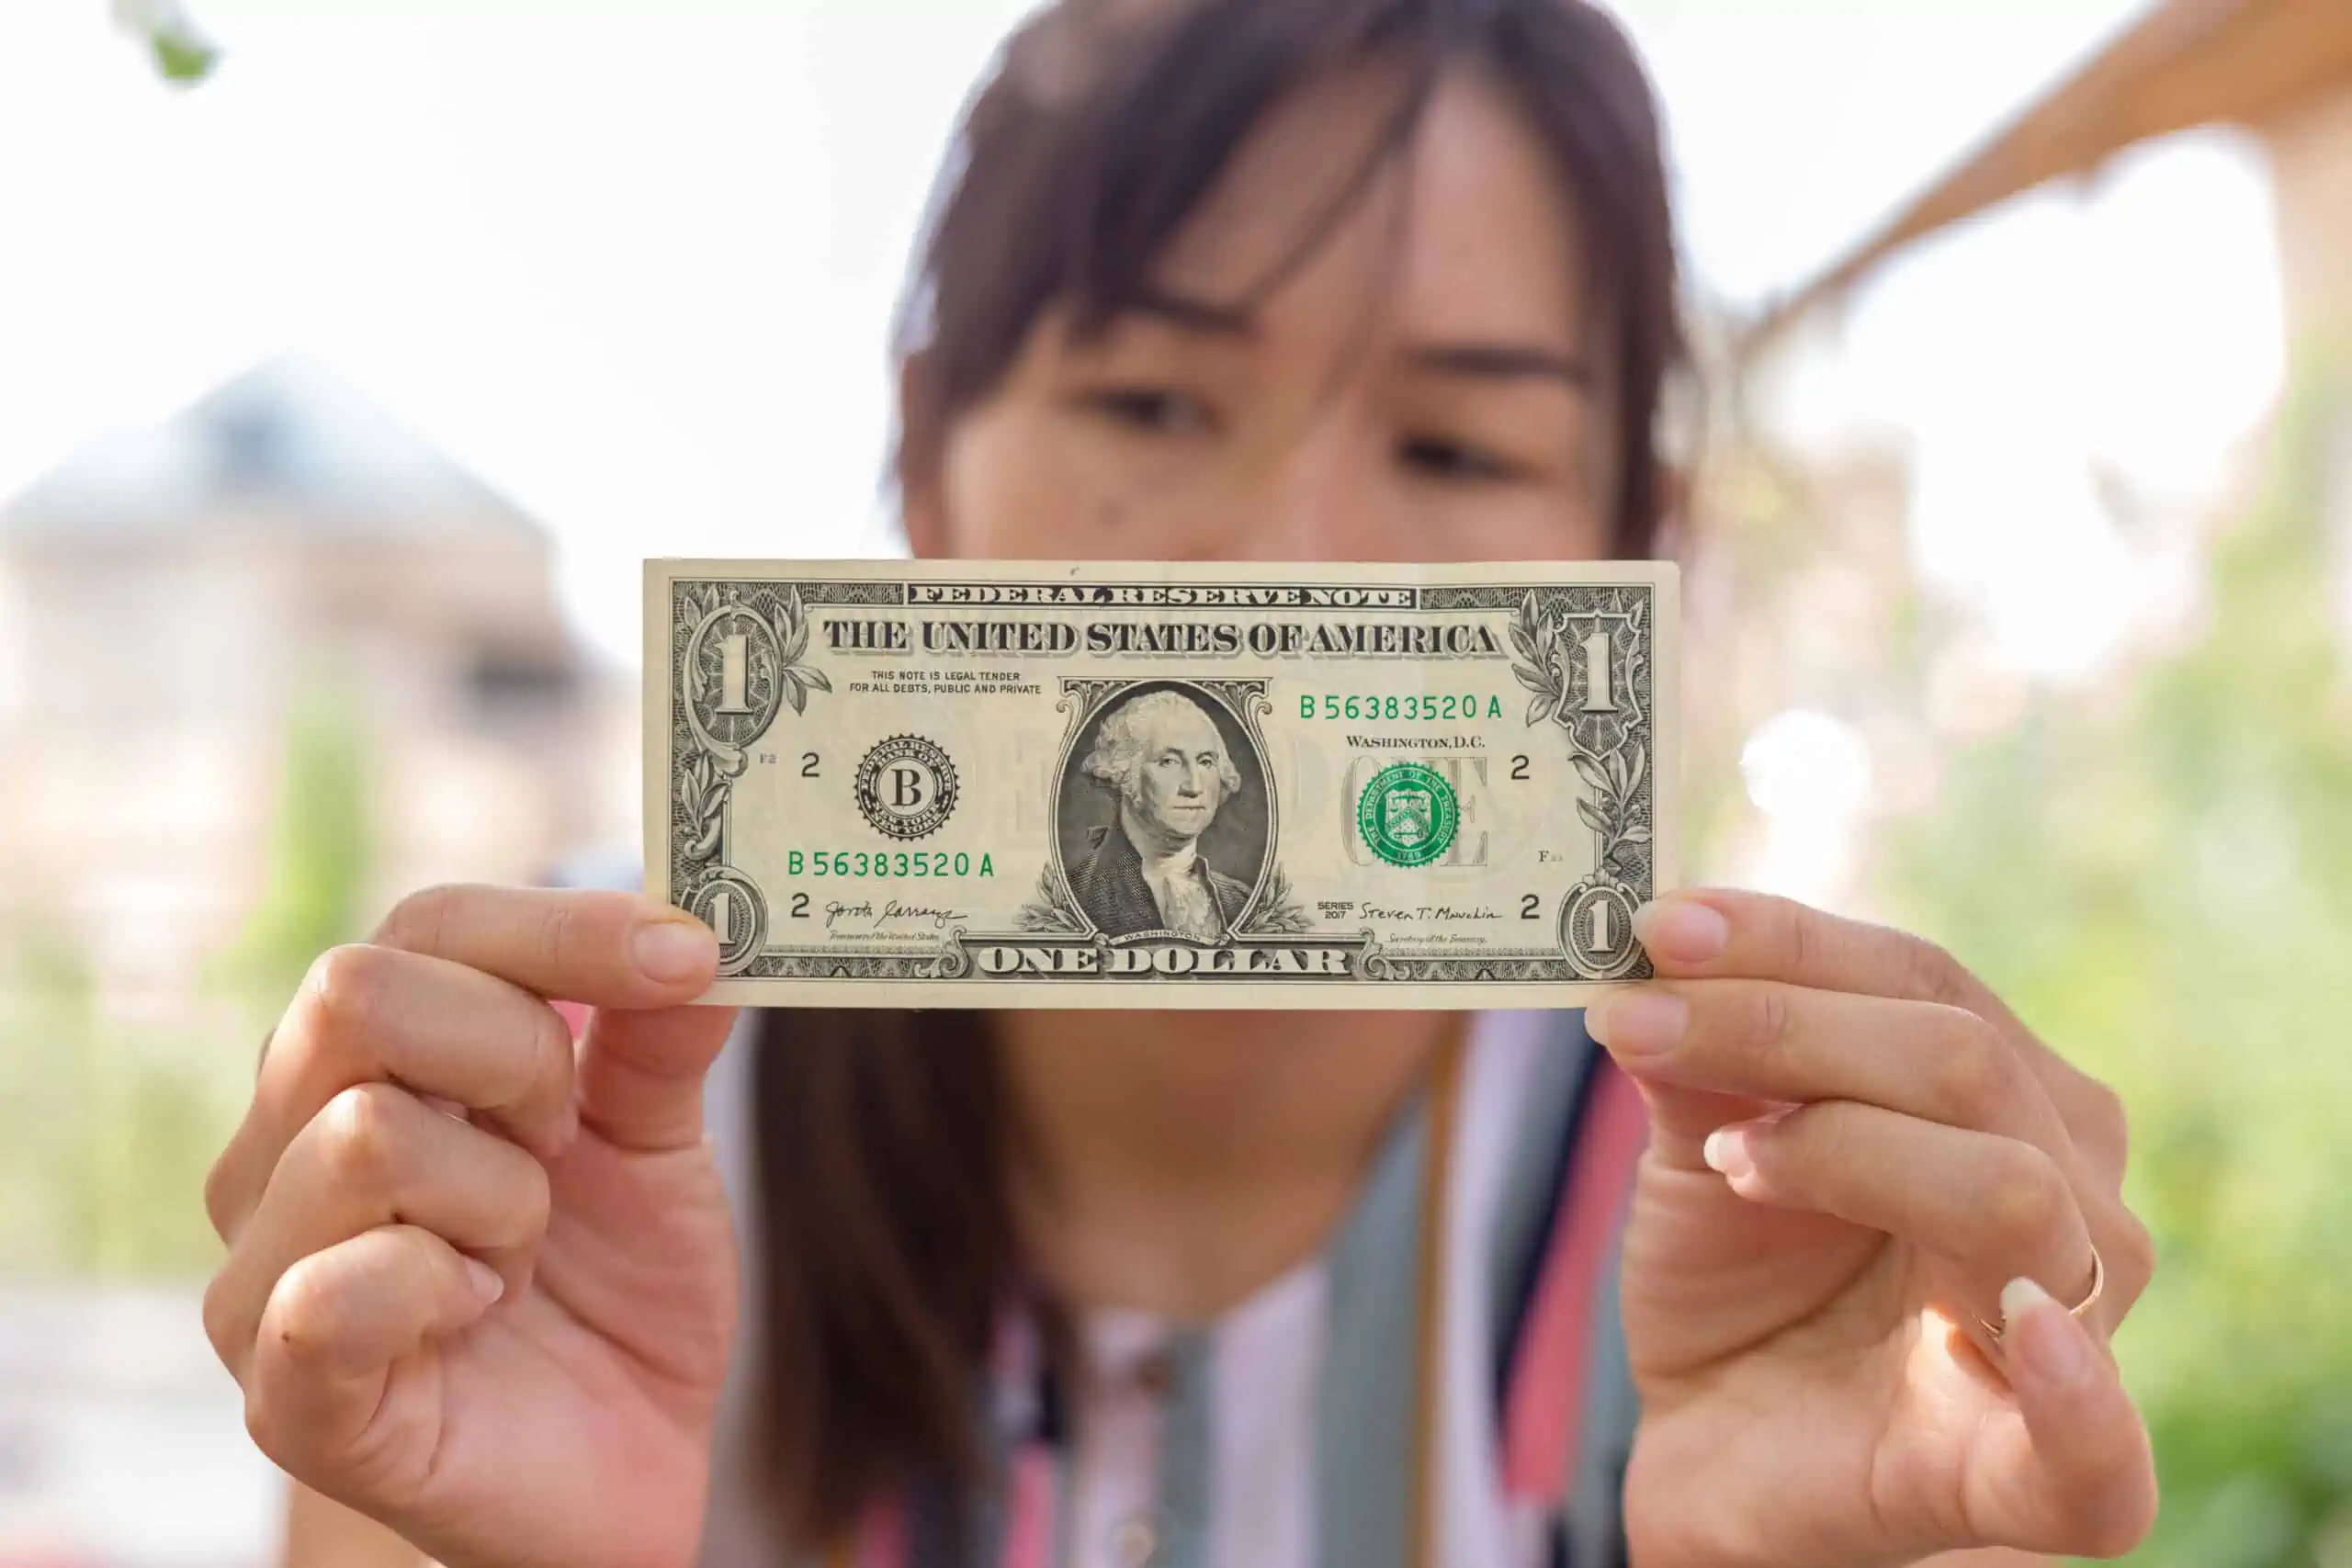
(633, 262)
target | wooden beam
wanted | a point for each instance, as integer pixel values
(2185, 65)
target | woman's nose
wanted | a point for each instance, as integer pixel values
(1324, 495)
(1320, 503)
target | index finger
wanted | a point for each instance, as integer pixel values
(608, 950)
(1723, 933)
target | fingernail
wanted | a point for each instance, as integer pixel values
(1681, 929)
(2036, 1330)
(1727, 1151)
(485, 1280)
(1638, 1023)
(672, 952)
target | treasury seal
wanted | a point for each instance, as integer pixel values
(1407, 814)
(906, 787)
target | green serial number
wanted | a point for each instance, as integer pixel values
(1418, 707)
(920, 864)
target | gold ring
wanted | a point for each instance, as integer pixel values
(2099, 1284)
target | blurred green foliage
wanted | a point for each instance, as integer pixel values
(2159, 879)
(105, 1132)
(107, 1125)
(318, 854)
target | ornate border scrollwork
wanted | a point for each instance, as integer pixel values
(739, 651)
(1585, 655)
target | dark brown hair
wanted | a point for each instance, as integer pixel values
(885, 1139)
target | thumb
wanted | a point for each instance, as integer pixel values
(2091, 1463)
(641, 1074)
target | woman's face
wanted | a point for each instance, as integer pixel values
(1422, 386)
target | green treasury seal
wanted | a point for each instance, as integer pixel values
(1407, 814)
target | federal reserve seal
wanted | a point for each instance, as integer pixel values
(1407, 814)
(906, 787)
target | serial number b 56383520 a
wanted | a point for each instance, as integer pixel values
(1420, 707)
(916, 865)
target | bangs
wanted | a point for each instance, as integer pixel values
(1102, 130)
(1167, 136)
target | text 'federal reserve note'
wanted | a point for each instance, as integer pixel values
(971, 784)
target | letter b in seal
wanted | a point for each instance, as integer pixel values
(906, 787)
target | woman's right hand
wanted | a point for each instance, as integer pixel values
(369, 1228)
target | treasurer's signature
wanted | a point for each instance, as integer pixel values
(938, 918)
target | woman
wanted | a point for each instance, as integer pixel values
(1347, 280)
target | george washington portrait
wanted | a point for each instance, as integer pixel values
(1162, 770)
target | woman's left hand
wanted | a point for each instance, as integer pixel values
(1855, 1148)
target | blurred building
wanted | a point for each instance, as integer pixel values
(174, 600)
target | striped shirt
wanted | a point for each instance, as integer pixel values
(1281, 1434)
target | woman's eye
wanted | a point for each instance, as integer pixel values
(1441, 457)
(1154, 409)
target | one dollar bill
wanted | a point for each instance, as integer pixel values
(975, 783)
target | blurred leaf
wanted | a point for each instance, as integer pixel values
(182, 55)
(186, 61)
